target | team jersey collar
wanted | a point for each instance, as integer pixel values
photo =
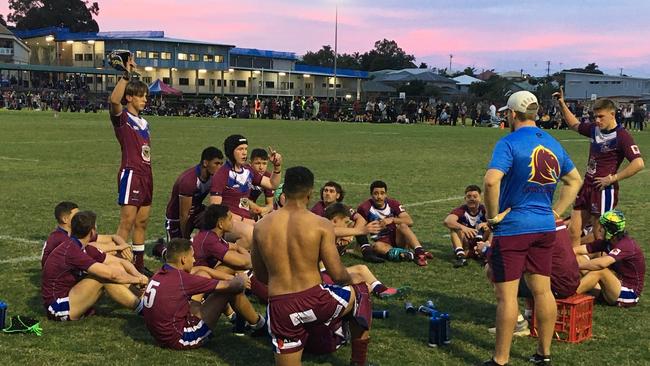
(77, 241)
(59, 228)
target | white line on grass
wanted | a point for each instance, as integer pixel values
(21, 259)
(18, 159)
(20, 240)
(344, 183)
(433, 201)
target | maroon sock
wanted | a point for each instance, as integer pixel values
(138, 259)
(419, 251)
(379, 289)
(359, 352)
(366, 248)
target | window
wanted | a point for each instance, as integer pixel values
(338, 86)
(208, 58)
(98, 79)
(78, 57)
(269, 84)
(182, 56)
(153, 54)
(233, 82)
(201, 82)
(262, 63)
(194, 57)
(165, 55)
(89, 79)
(110, 79)
(88, 56)
(325, 85)
(183, 81)
(241, 83)
(140, 54)
(218, 58)
(166, 80)
(219, 82)
(146, 79)
(308, 85)
(283, 85)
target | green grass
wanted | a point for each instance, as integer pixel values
(75, 157)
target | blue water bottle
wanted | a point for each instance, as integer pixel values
(434, 331)
(427, 311)
(445, 328)
(3, 314)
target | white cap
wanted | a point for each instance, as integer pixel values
(520, 101)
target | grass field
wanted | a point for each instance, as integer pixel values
(75, 157)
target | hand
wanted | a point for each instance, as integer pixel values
(127, 254)
(498, 218)
(559, 95)
(275, 157)
(478, 250)
(143, 280)
(467, 232)
(483, 226)
(131, 65)
(603, 182)
(242, 281)
(372, 227)
(386, 221)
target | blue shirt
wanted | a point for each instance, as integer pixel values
(532, 162)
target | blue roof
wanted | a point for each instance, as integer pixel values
(263, 53)
(308, 69)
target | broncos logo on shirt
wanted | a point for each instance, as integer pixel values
(544, 166)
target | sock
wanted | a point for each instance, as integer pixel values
(362, 240)
(378, 287)
(260, 322)
(359, 352)
(520, 318)
(138, 256)
(459, 252)
(419, 251)
(139, 307)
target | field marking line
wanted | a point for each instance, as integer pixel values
(21, 259)
(20, 240)
(343, 183)
(19, 159)
(452, 198)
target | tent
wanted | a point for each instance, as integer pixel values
(158, 87)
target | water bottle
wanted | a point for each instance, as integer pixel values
(445, 328)
(430, 304)
(380, 314)
(434, 331)
(410, 309)
(3, 314)
(427, 311)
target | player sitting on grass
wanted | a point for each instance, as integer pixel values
(181, 309)
(467, 226)
(259, 162)
(621, 271)
(331, 193)
(63, 213)
(75, 275)
(396, 233)
(339, 215)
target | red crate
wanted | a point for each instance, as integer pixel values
(574, 319)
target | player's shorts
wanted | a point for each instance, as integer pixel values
(173, 226)
(195, 334)
(313, 319)
(59, 310)
(134, 189)
(524, 291)
(596, 201)
(390, 238)
(511, 256)
(627, 297)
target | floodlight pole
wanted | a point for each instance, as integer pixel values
(336, 35)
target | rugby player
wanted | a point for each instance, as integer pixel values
(76, 275)
(259, 162)
(621, 271)
(231, 185)
(181, 309)
(396, 225)
(305, 314)
(521, 178)
(467, 226)
(610, 144)
(134, 179)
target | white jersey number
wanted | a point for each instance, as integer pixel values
(150, 293)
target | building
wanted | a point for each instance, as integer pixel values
(394, 79)
(195, 67)
(464, 81)
(582, 86)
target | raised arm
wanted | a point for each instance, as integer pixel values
(118, 92)
(570, 119)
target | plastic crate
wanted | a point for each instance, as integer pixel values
(574, 319)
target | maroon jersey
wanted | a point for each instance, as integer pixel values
(66, 266)
(133, 134)
(392, 208)
(319, 209)
(188, 184)
(209, 248)
(565, 274)
(466, 218)
(234, 187)
(630, 263)
(256, 191)
(167, 302)
(56, 237)
(607, 150)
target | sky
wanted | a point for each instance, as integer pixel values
(503, 35)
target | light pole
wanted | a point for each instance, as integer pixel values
(450, 57)
(336, 38)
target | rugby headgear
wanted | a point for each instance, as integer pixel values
(231, 143)
(613, 222)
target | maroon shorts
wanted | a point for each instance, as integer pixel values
(310, 319)
(173, 226)
(511, 256)
(134, 189)
(596, 201)
(390, 238)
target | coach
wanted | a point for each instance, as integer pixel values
(522, 176)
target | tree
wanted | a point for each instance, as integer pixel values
(2, 20)
(470, 71)
(423, 65)
(493, 90)
(591, 68)
(386, 55)
(74, 14)
(325, 57)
